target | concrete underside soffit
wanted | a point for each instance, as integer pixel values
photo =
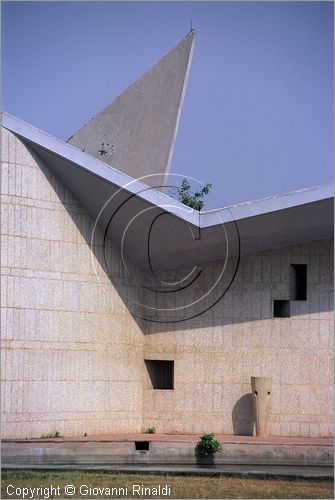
(147, 223)
(136, 132)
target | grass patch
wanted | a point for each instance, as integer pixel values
(180, 486)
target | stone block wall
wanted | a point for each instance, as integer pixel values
(73, 356)
(71, 352)
(216, 354)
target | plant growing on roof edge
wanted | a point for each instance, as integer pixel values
(190, 199)
(208, 445)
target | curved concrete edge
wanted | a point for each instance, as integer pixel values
(260, 225)
(107, 173)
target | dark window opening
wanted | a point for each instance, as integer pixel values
(160, 373)
(142, 445)
(281, 308)
(298, 281)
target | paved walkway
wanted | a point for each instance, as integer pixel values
(257, 471)
(187, 438)
(309, 457)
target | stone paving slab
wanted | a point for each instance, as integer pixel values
(188, 438)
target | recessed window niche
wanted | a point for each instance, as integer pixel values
(281, 308)
(142, 445)
(160, 374)
(298, 281)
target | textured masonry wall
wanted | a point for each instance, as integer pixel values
(216, 354)
(72, 355)
(71, 352)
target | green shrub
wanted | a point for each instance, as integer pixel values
(208, 445)
(151, 430)
(55, 434)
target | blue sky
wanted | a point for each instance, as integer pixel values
(258, 114)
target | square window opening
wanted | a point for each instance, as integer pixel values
(298, 281)
(142, 445)
(160, 374)
(281, 308)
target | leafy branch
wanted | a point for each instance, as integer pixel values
(193, 200)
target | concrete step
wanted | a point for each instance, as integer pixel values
(173, 450)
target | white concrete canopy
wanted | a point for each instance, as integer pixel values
(288, 219)
(136, 132)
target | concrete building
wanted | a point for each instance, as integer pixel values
(123, 309)
(136, 132)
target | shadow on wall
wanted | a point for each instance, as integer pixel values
(245, 300)
(204, 461)
(243, 416)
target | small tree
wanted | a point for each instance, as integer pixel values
(193, 200)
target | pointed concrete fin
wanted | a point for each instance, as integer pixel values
(136, 132)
